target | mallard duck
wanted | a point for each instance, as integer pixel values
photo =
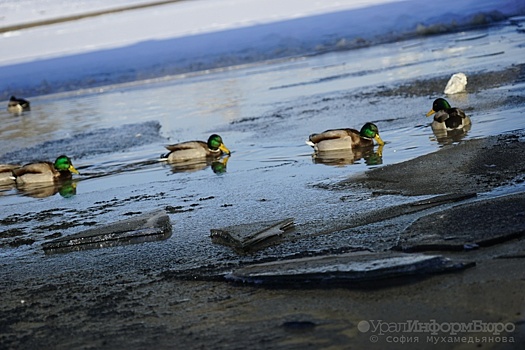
(6, 174)
(446, 117)
(17, 105)
(340, 139)
(196, 150)
(45, 171)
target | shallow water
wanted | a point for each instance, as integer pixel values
(264, 113)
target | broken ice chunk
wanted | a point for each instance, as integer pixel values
(246, 238)
(153, 226)
(456, 84)
(350, 268)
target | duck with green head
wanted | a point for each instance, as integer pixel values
(42, 172)
(197, 150)
(447, 118)
(342, 139)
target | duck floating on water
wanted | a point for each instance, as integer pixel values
(197, 150)
(43, 172)
(6, 174)
(18, 105)
(447, 118)
(343, 139)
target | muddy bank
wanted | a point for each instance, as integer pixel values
(476, 82)
(472, 166)
(146, 301)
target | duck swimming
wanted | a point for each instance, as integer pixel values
(341, 139)
(447, 118)
(40, 172)
(6, 174)
(18, 105)
(197, 150)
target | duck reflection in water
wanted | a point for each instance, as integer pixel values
(66, 189)
(349, 156)
(446, 137)
(218, 166)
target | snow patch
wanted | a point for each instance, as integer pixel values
(191, 36)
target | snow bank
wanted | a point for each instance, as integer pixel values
(199, 35)
(30, 11)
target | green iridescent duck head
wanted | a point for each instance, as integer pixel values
(370, 131)
(215, 143)
(63, 163)
(439, 104)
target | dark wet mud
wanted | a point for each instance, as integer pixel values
(61, 302)
(477, 81)
(474, 166)
(438, 235)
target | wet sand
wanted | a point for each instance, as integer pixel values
(474, 166)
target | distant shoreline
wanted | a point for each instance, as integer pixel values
(104, 51)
